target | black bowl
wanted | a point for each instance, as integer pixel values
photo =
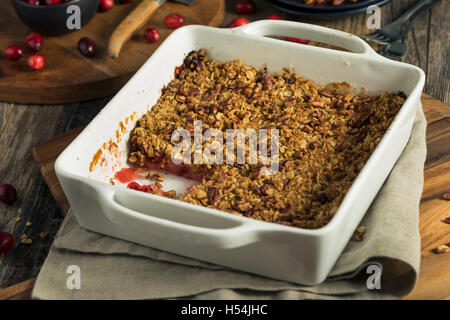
(321, 14)
(300, 5)
(52, 20)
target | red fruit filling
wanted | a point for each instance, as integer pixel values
(126, 175)
(144, 188)
(297, 40)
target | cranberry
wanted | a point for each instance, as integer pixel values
(238, 22)
(36, 62)
(8, 194)
(134, 186)
(274, 17)
(52, 2)
(34, 2)
(86, 47)
(35, 42)
(147, 188)
(14, 52)
(105, 5)
(6, 242)
(245, 7)
(297, 40)
(173, 21)
(152, 35)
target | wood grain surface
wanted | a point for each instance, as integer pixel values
(23, 127)
(67, 72)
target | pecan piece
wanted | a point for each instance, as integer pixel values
(169, 128)
(326, 93)
(442, 249)
(359, 233)
(212, 195)
(157, 177)
(267, 82)
(171, 194)
(307, 129)
(366, 99)
(363, 119)
(322, 197)
(180, 98)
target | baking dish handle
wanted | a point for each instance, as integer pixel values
(307, 31)
(158, 221)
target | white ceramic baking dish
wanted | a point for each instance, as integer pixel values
(277, 251)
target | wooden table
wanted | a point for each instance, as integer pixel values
(24, 126)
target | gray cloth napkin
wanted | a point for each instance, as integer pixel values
(115, 269)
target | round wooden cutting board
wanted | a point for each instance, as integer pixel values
(68, 76)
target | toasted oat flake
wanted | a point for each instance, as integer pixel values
(442, 249)
(157, 176)
(26, 241)
(325, 138)
(359, 233)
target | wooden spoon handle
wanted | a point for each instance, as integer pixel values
(136, 19)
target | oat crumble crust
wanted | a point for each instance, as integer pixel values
(325, 138)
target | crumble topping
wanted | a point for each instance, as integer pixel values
(325, 138)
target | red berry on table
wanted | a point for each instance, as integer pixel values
(52, 2)
(173, 21)
(245, 7)
(152, 35)
(87, 47)
(238, 22)
(36, 62)
(6, 242)
(8, 194)
(35, 42)
(297, 40)
(274, 17)
(14, 52)
(105, 5)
